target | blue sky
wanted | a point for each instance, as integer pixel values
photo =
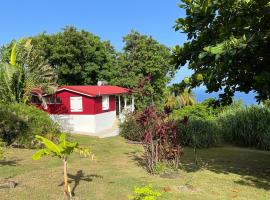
(110, 20)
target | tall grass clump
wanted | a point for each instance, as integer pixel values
(197, 125)
(200, 133)
(248, 126)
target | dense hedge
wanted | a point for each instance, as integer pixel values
(19, 123)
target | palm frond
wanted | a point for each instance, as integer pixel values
(26, 71)
(13, 55)
(186, 98)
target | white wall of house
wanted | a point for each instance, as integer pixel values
(86, 124)
(105, 120)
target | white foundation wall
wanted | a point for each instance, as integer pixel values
(105, 120)
(86, 124)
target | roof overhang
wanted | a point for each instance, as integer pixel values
(63, 88)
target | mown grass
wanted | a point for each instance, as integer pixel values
(224, 173)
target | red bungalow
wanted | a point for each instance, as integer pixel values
(82, 109)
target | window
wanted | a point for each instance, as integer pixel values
(52, 100)
(76, 104)
(35, 100)
(105, 102)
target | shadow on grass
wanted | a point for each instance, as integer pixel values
(78, 177)
(252, 165)
(137, 158)
(11, 163)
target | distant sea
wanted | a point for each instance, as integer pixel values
(247, 99)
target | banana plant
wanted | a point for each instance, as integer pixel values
(61, 150)
(26, 70)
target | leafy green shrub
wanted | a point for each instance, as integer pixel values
(200, 133)
(197, 111)
(145, 193)
(11, 125)
(204, 110)
(249, 126)
(131, 129)
(20, 123)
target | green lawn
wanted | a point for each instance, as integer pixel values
(225, 173)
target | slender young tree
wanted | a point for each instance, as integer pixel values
(62, 150)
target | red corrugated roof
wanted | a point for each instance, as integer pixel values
(96, 90)
(92, 90)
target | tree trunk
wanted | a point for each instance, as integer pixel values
(67, 191)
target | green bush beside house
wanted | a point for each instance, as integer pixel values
(131, 129)
(19, 123)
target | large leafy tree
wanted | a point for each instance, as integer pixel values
(80, 57)
(228, 46)
(144, 64)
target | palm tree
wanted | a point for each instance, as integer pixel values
(25, 71)
(172, 101)
(186, 98)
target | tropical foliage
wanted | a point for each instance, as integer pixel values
(61, 150)
(204, 125)
(159, 139)
(186, 98)
(25, 70)
(249, 126)
(176, 100)
(228, 46)
(197, 111)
